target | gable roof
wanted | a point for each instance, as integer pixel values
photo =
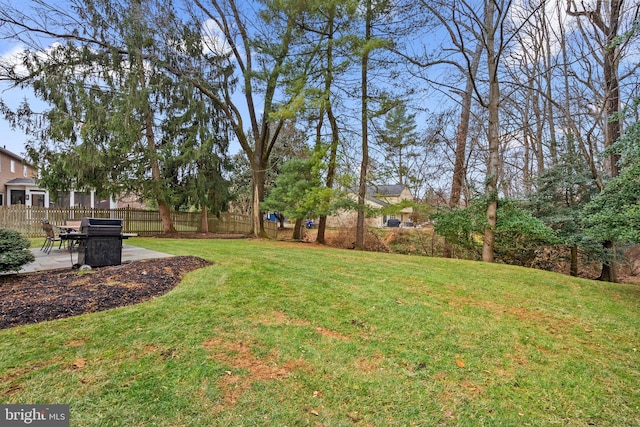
(376, 192)
(21, 181)
(14, 156)
(385, 190)
(377, 201)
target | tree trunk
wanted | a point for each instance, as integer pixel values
(491, 186)
(364, 165)
(335, 136)
(612, 84)
(553, 143)
(322, 226)
(204, 220)
(156, 176)
(258, 175)
(609, 272)
(280, 219)
(459, 170)
(612, 108)
(610, 67)
(165, 217)
(574, 261)
(331, 168)
(163, 207)
(297, 229)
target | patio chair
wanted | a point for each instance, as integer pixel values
(46, 238)
(50, 238)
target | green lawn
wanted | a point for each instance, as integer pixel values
(291, 334)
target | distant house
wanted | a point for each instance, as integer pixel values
(18, 187)
(17, 182)
(377, 197)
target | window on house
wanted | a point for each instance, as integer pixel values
(1, 199)
(24, 170)
(18, 197)
(37, 199)
(13, 166)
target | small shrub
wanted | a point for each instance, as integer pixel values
(518, 234)
(413, 241)
(14, 251)
(346, 239)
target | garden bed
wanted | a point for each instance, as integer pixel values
(36, 297)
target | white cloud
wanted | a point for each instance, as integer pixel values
(213, 39)
(12, 58)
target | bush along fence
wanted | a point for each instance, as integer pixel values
(27, 220)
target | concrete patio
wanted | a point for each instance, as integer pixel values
(61, 259)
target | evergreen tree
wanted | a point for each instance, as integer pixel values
(14, 251)
(111, 124)
(562, 191)
(298, 193)
(614, 214)
(518, 233)
(397, 139)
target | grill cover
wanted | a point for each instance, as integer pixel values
(101, 226)
(103, 243)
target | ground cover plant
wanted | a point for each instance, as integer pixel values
(277, 333)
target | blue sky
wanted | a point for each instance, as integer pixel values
(12, 140)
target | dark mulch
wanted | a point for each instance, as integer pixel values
(36, 297)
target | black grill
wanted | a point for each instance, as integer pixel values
(102, 242)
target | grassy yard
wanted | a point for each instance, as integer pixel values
(291, 334)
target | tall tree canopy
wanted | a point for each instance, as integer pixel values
(116, 117)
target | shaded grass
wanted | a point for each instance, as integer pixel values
(294, 334)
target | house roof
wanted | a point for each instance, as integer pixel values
(21, 181)
(14, 156)
(376, 201)
(376, 192)
(385, 190)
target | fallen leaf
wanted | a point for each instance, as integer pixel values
(469, 386)
(460, 363)
(314, 412)
(79, 363)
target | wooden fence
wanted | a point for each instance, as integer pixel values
(27, 220)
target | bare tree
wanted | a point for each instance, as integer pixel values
(606, 20)
(260, 46)
(459, 172)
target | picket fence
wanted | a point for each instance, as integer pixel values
(27, 220)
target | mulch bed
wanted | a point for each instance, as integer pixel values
(36, 297)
